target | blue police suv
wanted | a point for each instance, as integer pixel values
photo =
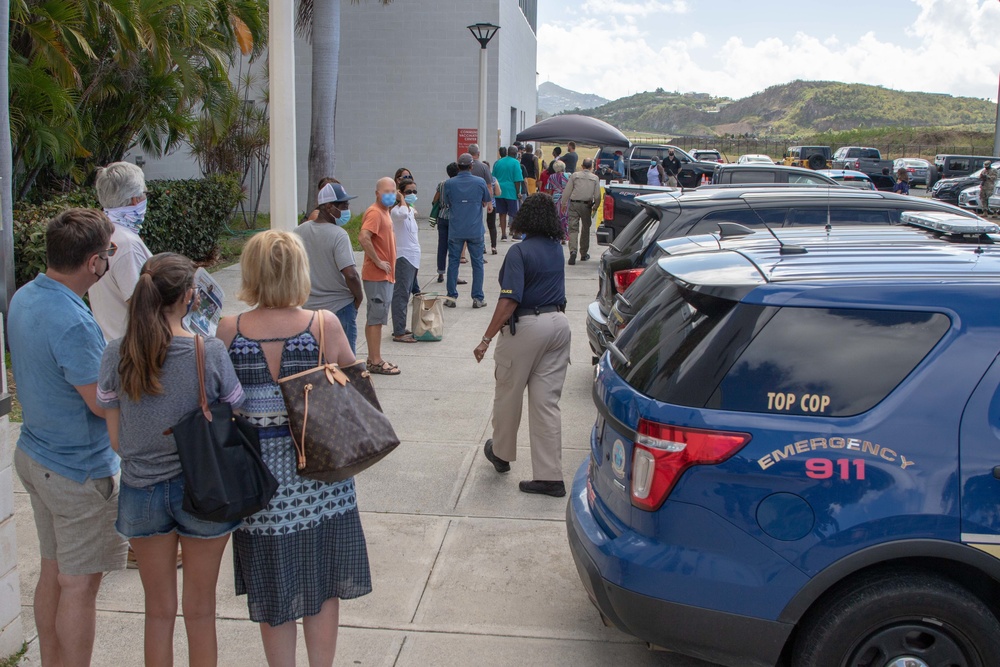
(796, 459)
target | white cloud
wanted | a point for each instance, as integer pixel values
(634, 8)
(950, 47)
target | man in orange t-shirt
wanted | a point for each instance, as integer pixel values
(378, 272)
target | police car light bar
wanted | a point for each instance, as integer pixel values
(949, 223)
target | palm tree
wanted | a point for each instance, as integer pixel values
(91, 78)
(319, 21)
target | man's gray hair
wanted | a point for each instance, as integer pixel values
(473, 150)
(118, 183)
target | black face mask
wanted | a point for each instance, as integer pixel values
(107, 266)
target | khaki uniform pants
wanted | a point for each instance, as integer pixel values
(536, 358)
(579, 212)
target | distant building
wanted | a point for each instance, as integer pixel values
(409, 80)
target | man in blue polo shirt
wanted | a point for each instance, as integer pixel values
(64, 457)
(465, 196)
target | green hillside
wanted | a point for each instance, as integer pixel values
(795, 109)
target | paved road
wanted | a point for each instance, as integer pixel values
(466, 569)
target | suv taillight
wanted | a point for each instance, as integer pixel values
(857, 164)
(662, 454)
(625, 278)
(609, 208)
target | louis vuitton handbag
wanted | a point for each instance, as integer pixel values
(225, 478)
(336, 422)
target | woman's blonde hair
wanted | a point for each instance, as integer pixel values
(558, 166)
(275, 271)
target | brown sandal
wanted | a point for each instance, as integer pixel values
(384, 368)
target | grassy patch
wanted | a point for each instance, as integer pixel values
(12, 660)
(15, 405)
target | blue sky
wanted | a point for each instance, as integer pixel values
(737, 47)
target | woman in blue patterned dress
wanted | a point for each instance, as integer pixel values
(306, 551)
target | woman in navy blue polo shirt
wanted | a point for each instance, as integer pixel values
(533, 349)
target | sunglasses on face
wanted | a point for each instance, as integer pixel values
(410, 192)
(110, 252)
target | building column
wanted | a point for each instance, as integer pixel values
(282, 168)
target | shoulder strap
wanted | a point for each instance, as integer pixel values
(322, 337)
(199, 355)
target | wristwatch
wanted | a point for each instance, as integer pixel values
(487, 340)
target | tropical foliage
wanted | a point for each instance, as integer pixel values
(90, 79)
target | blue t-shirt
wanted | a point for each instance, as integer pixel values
(534, 273)
(507, 171)
(55, 346)
(464, 195)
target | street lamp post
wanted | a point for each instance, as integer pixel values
(483, 32)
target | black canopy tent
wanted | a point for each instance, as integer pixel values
(572, 127)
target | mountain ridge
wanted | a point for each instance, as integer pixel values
(794, 108)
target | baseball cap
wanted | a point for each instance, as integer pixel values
(333, 192)
(464, 160)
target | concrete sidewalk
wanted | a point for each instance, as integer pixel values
(466, 569)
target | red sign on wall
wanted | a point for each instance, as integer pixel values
(466, 136)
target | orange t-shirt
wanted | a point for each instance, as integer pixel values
(379, 223)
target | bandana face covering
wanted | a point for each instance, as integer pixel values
(129, 217)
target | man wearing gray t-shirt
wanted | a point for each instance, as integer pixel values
(335, 282)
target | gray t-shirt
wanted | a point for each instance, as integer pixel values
(329, 250)
(148, 456)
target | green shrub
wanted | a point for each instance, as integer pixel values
(185, 216)
(188, 216)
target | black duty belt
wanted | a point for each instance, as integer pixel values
(521, 312)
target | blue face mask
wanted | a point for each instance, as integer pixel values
(410, 199)
(388, 199)
(345, 217)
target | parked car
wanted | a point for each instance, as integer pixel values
(969, 198)
(794, 453)
(956, 166)
(860, 158)
(768, 173)
(916, 167)
(750, 158)
(707, 155)
(674, 214)
(850, 178)
(949, 189)
(813, 157)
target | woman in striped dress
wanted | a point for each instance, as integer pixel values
(306, 551)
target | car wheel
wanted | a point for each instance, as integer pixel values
(892, 619)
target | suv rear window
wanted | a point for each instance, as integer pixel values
(640, 232)
(835, 362)
(689, 348)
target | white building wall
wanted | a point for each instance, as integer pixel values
(517, 66)
(409, 79)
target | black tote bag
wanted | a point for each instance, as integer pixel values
(225, 478)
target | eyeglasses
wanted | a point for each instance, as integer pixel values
(110, 252)
(410, 192)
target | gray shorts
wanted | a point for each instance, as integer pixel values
(378, 296)
(75, 522)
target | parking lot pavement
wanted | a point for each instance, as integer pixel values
(466, 569)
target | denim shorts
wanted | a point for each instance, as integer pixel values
(156, 510)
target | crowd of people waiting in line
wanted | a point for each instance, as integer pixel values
(100, 387)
